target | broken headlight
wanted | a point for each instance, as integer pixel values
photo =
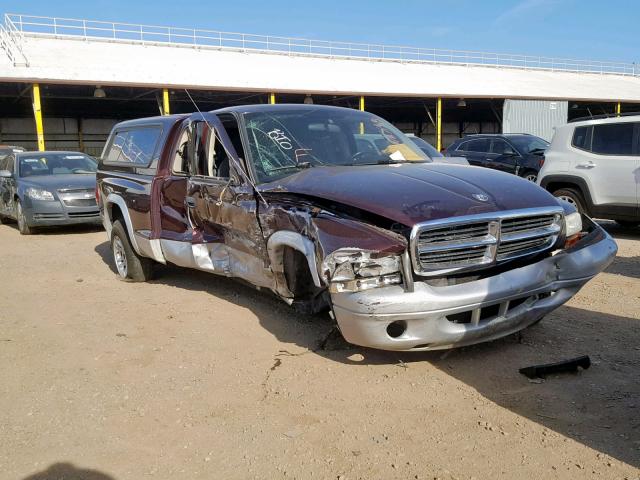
(356, 270)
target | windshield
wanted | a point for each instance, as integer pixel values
(283, 141)
(426, 147)
(37, 163)
(530, 144)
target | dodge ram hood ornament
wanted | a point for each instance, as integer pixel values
(481, 197)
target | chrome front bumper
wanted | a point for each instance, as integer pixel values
(515, 299)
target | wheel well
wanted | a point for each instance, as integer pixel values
(553, 186)
(296, 272)
(116, 214)
(307, 297)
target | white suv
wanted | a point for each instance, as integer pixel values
(595, 165)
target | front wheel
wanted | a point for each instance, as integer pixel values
(129, 264)
(23, 224)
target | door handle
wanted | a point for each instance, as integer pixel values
(190, 202)
(589, 164)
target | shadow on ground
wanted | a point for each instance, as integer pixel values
(599, 407)
(67, 471)
(60, 230)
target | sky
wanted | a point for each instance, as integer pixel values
(580, 29)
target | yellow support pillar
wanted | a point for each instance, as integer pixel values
(362, 110)
(165, 101)
(439, 125)
(618, 109)
(37, 112)
(272, 98)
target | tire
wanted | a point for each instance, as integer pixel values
(628, 223)
(530, 175)
(573, 197)
(129, 265)
(23, 226)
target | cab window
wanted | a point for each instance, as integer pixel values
(135, 146)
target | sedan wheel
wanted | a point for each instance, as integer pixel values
(120, 257)
(23, 226)
(532, 177)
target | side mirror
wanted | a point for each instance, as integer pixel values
(6, 174)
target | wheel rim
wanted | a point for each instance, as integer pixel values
(120, 257)
(532, 177)
(568, 199)
(20, 217)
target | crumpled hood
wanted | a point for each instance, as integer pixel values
(56, 182)
(411, 193)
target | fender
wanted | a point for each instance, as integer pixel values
(118, 200)
(287, 238)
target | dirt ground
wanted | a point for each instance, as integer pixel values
(193, 376)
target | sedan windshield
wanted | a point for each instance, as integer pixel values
(36, 164)
(426, 147)
(283, 141)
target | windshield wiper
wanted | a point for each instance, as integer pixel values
(301, 165)
(389, 161)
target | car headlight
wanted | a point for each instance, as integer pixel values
(355, 271)
(572, 224)
(38, 194)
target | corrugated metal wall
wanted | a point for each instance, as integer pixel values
(538, 117)
(87, 134)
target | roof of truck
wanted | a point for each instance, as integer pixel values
(164, 120)
(278, 106)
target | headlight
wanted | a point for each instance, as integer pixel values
(572, 224)
(355, 271)
(37, 194)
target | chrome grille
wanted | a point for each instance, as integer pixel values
(476, 241)
(511, 225)
(454, 233)
(80, 202)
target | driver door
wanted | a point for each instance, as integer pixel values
(221, 206)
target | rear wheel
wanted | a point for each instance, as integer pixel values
(628, 223)
(571, 196)
(23, 224)
(129, 264)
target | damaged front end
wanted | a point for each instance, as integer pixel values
(453, 311)
(354, 270)
(443, 283)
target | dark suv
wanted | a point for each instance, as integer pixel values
(519, 154)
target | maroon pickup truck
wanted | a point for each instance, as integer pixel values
(336, 210)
